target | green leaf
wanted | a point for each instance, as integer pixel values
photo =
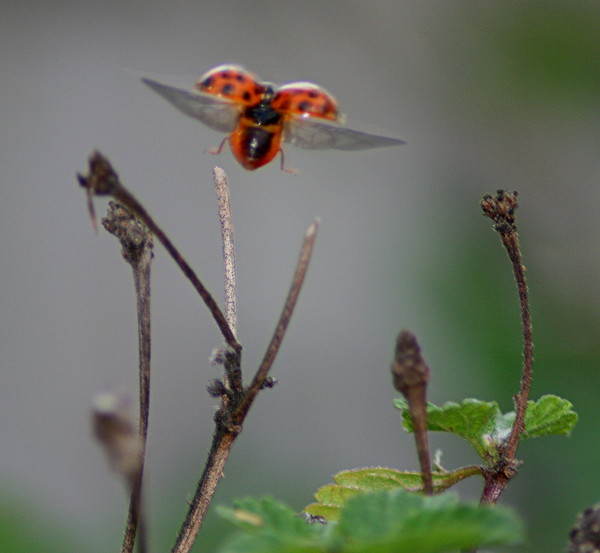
(480, 423)
(487, 429)
(400, 522)
(378, 522)
(336, 496)
(268, 525)
(350, 483)
(549, 415)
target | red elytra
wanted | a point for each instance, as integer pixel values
(259, 116)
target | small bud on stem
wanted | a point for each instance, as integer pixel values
(411, 375)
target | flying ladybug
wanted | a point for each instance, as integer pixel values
(259, 116)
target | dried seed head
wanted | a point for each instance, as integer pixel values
(585, 535)
(501, 209)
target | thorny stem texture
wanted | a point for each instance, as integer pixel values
(230, 417)
(501, 210)
(137, 244)
(411, 376)
(104, 181)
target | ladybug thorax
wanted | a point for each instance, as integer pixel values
(262, 114)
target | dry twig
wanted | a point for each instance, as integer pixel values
(137, 244)
(234, 408)
(104, 181)
(235, 400)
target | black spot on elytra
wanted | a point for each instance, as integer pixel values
(226, 75)
(304, 106)
(246, 96)
(240, 78)
(207, 82)
(227, 88)
(313, 94)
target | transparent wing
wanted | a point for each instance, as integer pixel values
(311, 133)
(216, 113)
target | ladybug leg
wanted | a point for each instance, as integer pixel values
(282, 166)
(217, 151)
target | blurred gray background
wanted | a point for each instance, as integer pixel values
(488, 95)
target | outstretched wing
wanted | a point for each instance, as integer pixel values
(216, 113)
(312, 133)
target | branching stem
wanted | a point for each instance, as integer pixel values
(233, 410)
(104, 181)
(284, 319)
(235, 401)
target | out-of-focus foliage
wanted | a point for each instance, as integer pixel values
(23, 530)
(384, 521)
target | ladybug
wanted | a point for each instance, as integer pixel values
(259, 116)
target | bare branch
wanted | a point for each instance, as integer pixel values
(235, 402)
(224, 203)
(136, 241)
(233, 372)
(213, 471)
(284, 319)
(234, 408)
(104, 181)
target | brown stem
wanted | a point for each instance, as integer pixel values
(261, 374)
(104, 181)
(233, 373)
(137, 246)
(222, 442)
(501, 210)
(126, 198)
(411, 376)
(136, 521)
(224, 204)
(235, 404)
(511, 243)
(234, 408)
(115, 431)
